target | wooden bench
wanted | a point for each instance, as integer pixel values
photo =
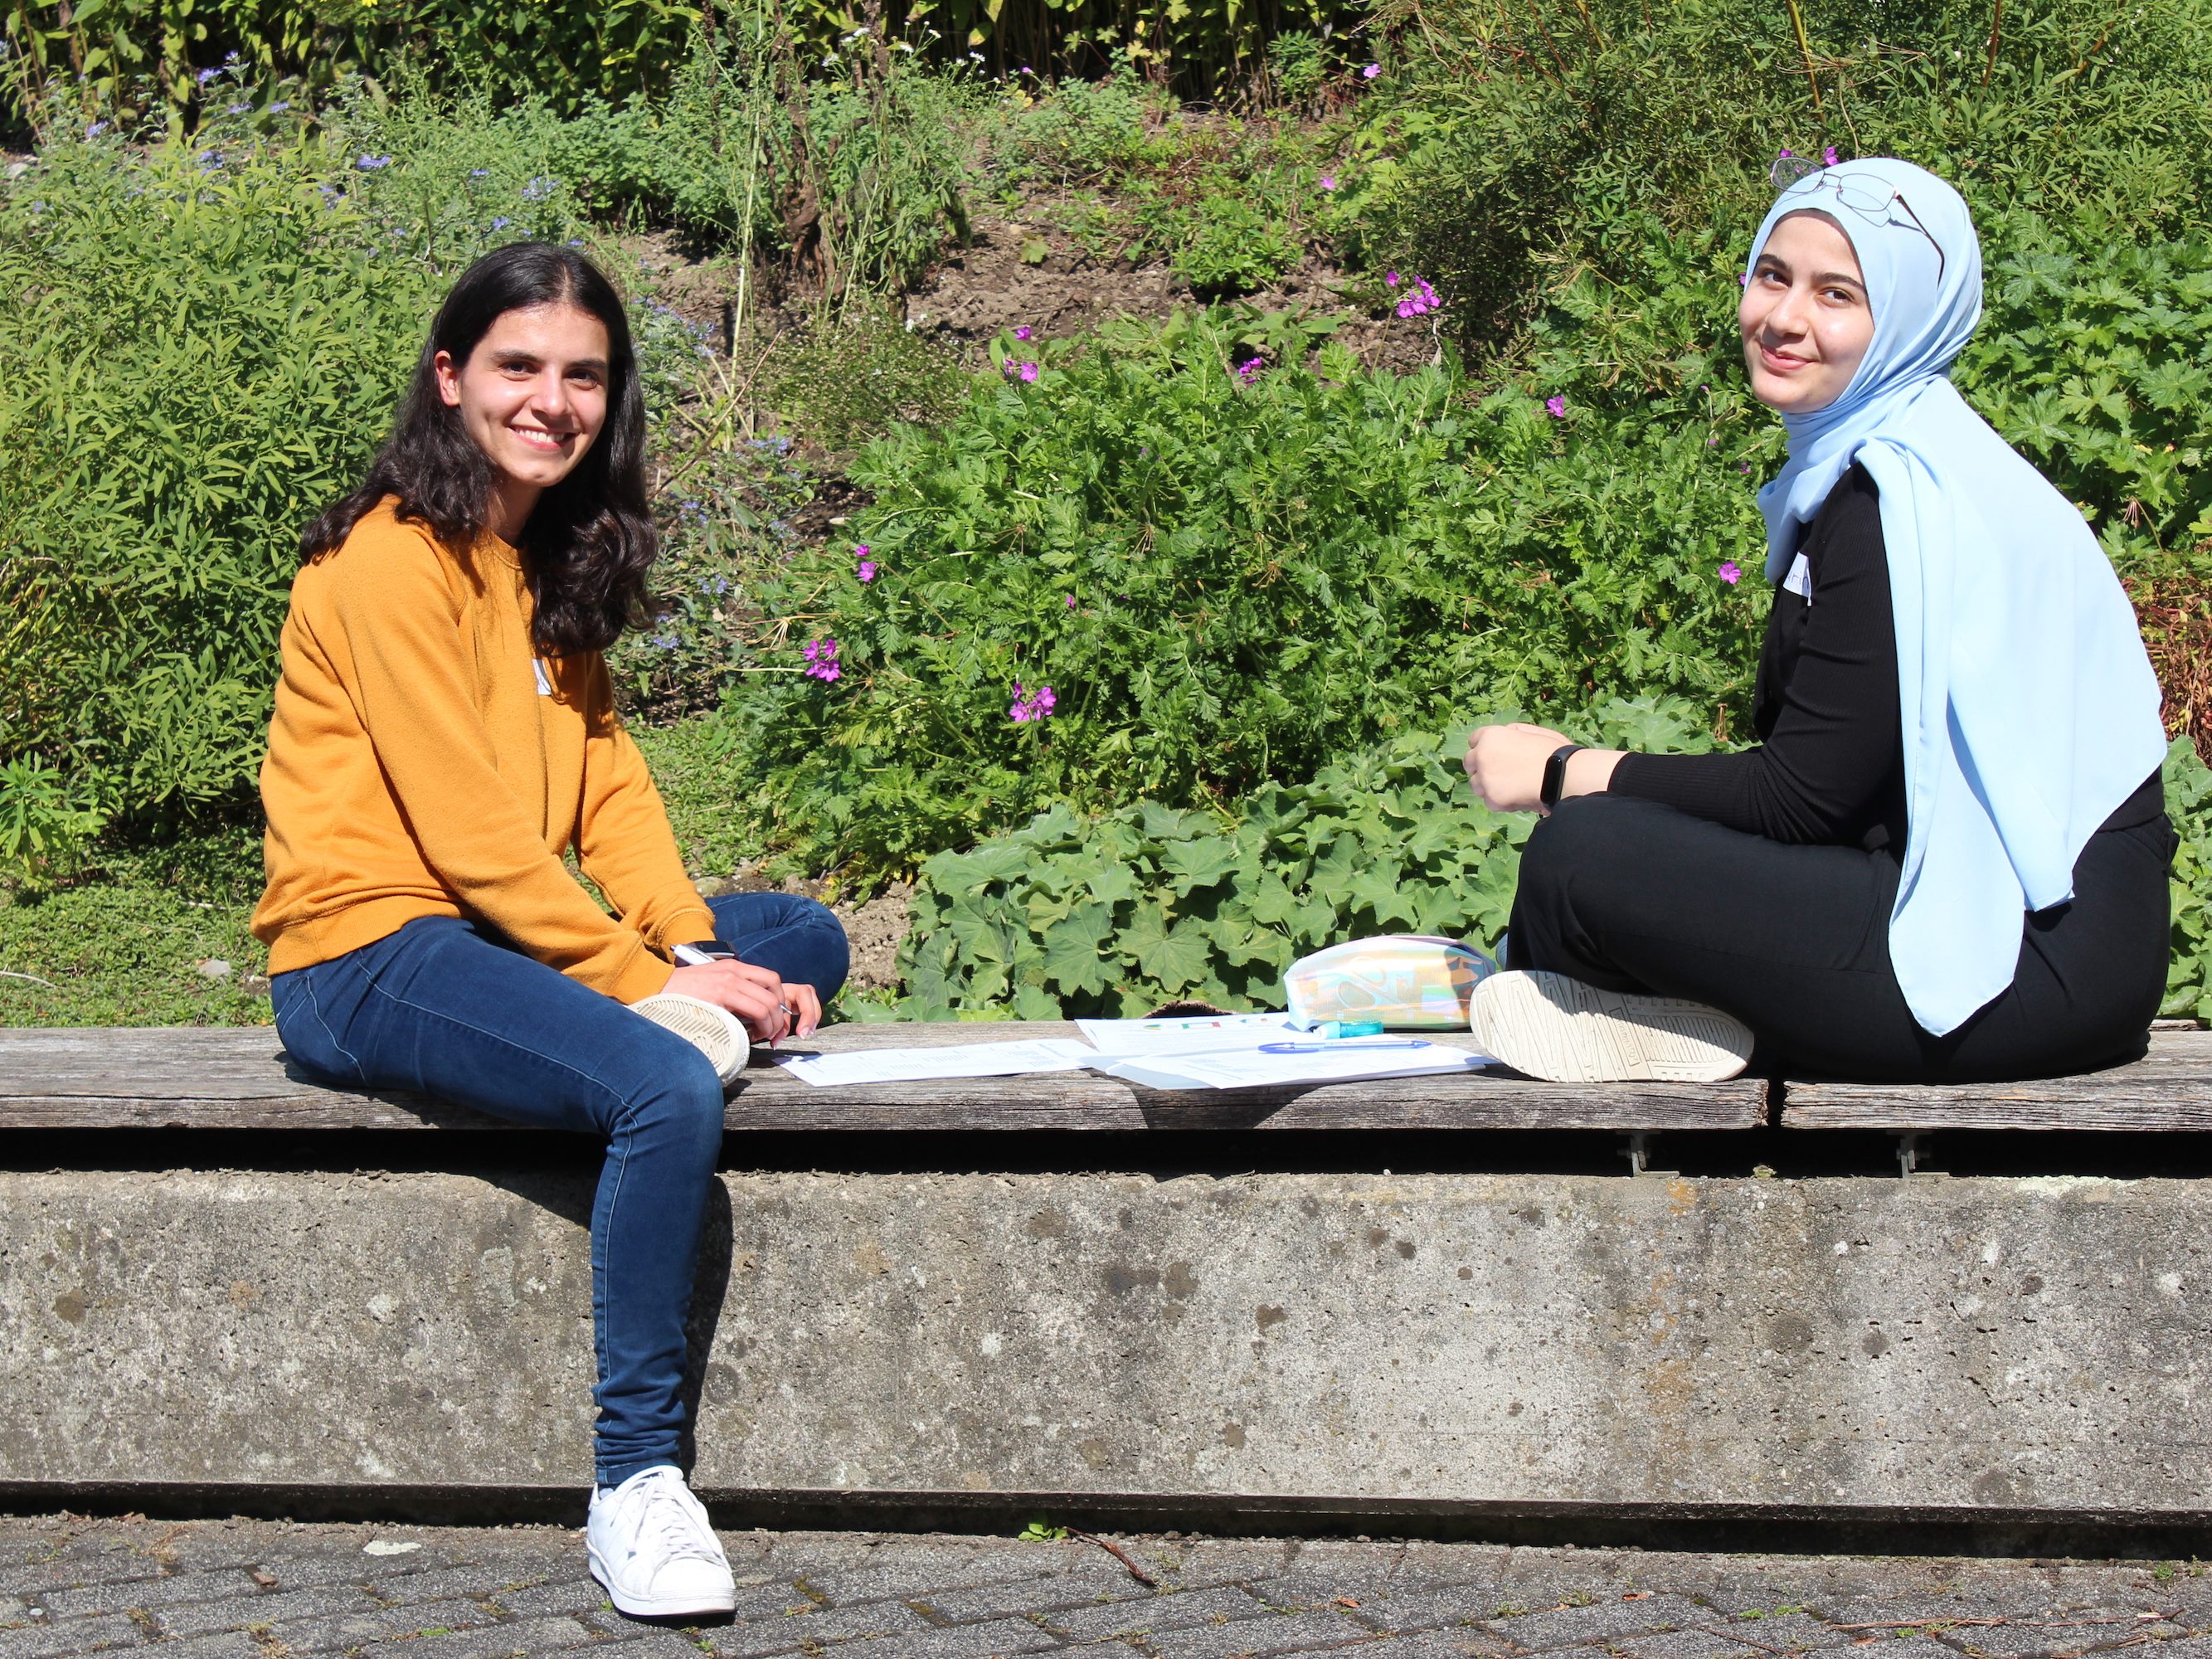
(237, 1078)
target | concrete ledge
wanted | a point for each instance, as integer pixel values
(2032, 1349)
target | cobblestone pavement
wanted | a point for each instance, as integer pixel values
(243, 1589)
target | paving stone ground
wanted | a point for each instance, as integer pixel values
(255, 1590)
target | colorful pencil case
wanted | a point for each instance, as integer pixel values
(1400, 979)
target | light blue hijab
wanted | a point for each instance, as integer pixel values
(2030, 708)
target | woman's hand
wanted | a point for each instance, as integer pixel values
(771, 1009)
(1505, 764)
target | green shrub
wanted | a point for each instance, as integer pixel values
(205, 350)
(2189, 804)
(1070, 917)
(1512, 149)
(1086, 131)
(1227, 572)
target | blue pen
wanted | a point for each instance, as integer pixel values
(1340, 1047)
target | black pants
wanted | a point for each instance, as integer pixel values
(1794, 941)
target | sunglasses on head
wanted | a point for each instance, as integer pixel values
(1868, 198)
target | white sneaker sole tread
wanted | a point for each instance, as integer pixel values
(714, 1030)
(1560, 1030)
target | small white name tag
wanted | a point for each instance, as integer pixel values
(1799, 579)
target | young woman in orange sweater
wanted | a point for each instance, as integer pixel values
(444, 732)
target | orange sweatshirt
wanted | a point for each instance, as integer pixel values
(425, 761)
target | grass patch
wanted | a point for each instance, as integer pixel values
(122, 944)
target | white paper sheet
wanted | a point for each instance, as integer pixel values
(1248, 1067)
(959, 1059)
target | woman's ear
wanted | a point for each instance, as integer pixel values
(449, 380)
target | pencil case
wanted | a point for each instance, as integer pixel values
(1400, 979)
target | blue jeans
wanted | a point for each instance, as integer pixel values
(451, 1008)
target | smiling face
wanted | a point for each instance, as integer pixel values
(1804, 316)
(533, 394)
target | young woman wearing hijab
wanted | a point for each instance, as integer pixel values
(1947, 858)
(444, 732)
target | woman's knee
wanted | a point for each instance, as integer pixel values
(683, 1102)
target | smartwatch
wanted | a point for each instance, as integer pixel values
(1555, 774)
(698, 955)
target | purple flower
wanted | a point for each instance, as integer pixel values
(1745, 469)
(1371, 71)
(1028, 707)
(1023, 332)
(821, 660)
(1731, 572)
(1828, 156)
(501, 224)
(371, 163)
(1389, 279)
(1329, 181)
(1556, 406)
(867, 567)
(238, 109)
(206, 76)
(280, 106)
(1785, 156)
(1028, 372)
(1070, 601)
(1248, 370)
(1419, 300)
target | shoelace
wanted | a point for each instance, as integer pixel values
(666, 1515)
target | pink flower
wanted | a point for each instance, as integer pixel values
(1329, 181)
(1371, 71)
(1786, 155)
(1421, 300)
(1070, 601)
(1028, 372)
(1389, 279)
(1731, 572)
(1556, 406)
(1248, 370)
(1023, 332)
(821, 660)
(1828, 156)
(867, 570)
(1028, 707)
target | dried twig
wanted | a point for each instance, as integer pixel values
(1118, 1554)
(6, 973)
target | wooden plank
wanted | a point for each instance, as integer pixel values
(235, 1079)
(2169, 1089)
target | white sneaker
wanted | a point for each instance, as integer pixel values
(711, 1028)
(651, 1545)
(1560, 1030)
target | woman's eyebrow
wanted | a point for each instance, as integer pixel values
(1828, 278)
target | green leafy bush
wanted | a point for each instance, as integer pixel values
(1228, 571)
(1069, 917)
(205, 348)
(1513, 147)
(204, 353)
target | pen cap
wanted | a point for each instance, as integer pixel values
(1415, 980)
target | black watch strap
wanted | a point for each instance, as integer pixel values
(1555, 773)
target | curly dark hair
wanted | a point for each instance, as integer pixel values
(590, 540)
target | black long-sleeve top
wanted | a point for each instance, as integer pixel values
(1830, 765)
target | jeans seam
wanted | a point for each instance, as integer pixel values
(315, 1008)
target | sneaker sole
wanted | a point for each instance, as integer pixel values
(668, 1607)
(714, 1032)
(1549, 1026)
